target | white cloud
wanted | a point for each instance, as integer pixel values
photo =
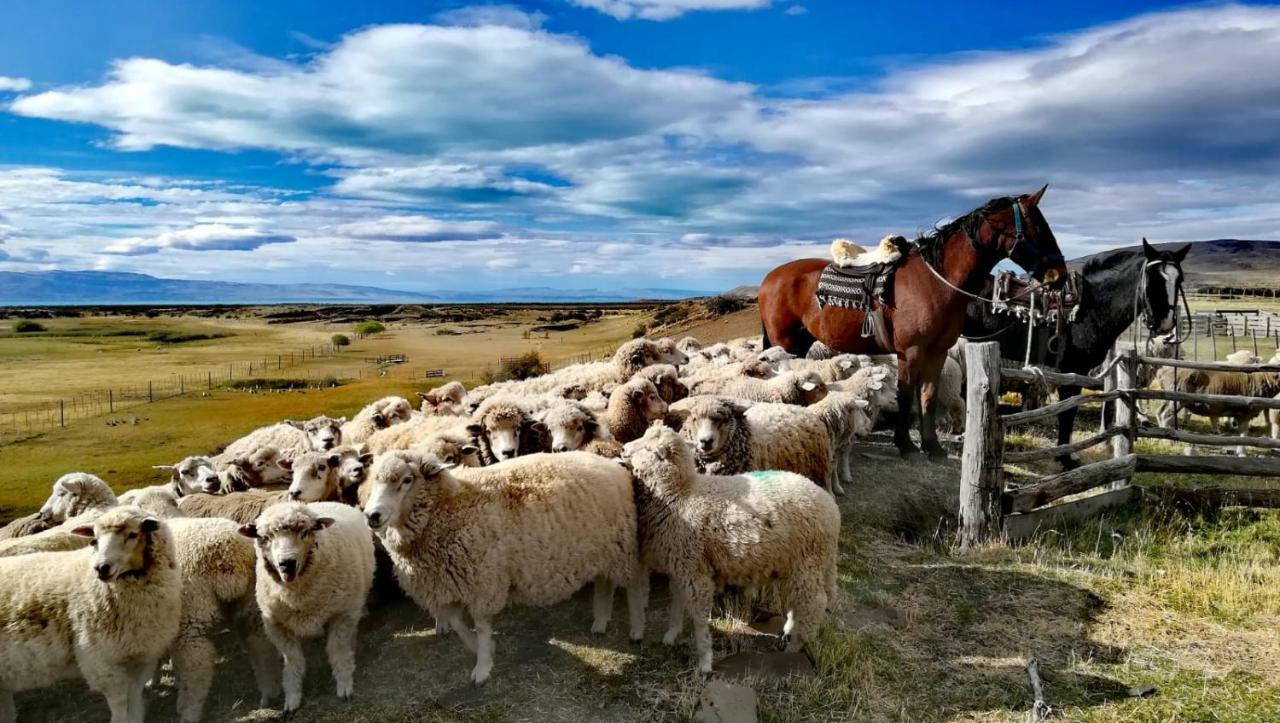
(204, 237)
(797, 10)
(14, 84)
(505, 15)
(418, 229)
(665, 9)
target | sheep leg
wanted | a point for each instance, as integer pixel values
(193, 660)
(8, 712)
(263, 657)
(637, 601)
(118, 701)
(115, 681)
(601, 605)
(453, 617)
(341, 649)
(484, 650)
(1243, 422)
(295, 665)
(675, 617)
(699, 593)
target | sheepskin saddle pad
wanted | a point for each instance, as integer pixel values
(856, 277)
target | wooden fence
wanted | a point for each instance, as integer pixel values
(990, 510)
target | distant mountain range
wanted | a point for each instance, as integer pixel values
(81, 288)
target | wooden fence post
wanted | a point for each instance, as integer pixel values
(62, 413)
(150, 396)
(111, 401)
(1126, 375)
(982, 464)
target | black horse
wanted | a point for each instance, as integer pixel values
(1113, 288)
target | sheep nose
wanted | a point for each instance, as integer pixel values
(294, 494)
(374, 517)
(508, 453)
(103, 570)
(705, 443)
(43, 515)
(561, 448)
(288, 567)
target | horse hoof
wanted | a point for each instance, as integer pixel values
(909, 453)
(1068, 463)
(937, 455)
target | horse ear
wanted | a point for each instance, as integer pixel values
(1148, 250)
(1181, 253)
(1034, 199)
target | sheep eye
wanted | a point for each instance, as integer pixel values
(132, 536)
(406, 480)
(93, 542)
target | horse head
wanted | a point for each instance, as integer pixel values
(1161, 285)
(1023, 235)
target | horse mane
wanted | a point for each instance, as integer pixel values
(930, 242)
(1109, 261)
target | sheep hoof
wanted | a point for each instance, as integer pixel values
(480, 674)
(600, 627)
(670, 637)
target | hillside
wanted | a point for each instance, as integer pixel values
(63, 288)
(1222, 262)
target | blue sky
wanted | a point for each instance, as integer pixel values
(604, 143)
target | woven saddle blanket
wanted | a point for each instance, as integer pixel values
(854, 288)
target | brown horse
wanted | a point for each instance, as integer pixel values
(926, 314)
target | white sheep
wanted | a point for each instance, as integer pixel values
(732, 436)
(159, 500)
(630, 358)
(530, 531)
(290, 437)
(225, 472)
(74, 494)
(315, 568)
(667, 379)
(383, 413)
(572, 427)
(333, 476)
(632, 408)
(243, 507)
(504, 427)
(106, 613)
(217, 566)
(878, 384)
(445, 400)
(801, 388)
(846, 420)
(752, 530)
(834, 369)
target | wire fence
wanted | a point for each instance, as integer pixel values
(26, 421)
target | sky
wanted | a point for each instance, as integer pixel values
(688, 144)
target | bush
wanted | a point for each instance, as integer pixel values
(179, 337)
(525, 367)
(27, 326)
(721, 305)
(672, 314)
(365, 328)
(340, 340)
(639, 331)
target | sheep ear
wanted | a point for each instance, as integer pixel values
(591, 424)
(294, 423)
(846, 363)
(286, 464)
(422, 395)
(861, 403)
(340, 421)
(475, 430)
(250, 531)
(678, 416)
(86, 531)
(379, 418)
(637, 394)
(366, 457)
(538, 427)
(334, 460)
(469, 449)
(875, 385)
(164, 466)
(808, 386)
(150, 524)
(322, 523)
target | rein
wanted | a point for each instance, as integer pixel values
(1140, 292)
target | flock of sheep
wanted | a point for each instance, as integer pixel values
(713, 466)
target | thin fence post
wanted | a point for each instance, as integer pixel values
(111, 401)
(982, 465)
(150, 396)
(1126, 373)
(182, 384)
(62, 412)
(210, 381)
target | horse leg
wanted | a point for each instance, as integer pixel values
(907, 396)
(1067, 424)
(927, 381)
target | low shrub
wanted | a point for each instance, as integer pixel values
(340, 340)
(27, 326)
(365, 328)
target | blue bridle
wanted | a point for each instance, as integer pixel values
(1020, 238)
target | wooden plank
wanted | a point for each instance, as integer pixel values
(1053, 410)
(982, 464)
(1215, 496)
(1071, 482)
(1210, 366)
(1126, 409)
(1055, 378)
(1210, 440)
(1254, 403)
(1054, 452)
(1027, 524)
(1181, 464)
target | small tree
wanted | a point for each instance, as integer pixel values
(365, 328)
(639, 331)
(525, 367)
(27, 326)
(721, 305)
(340, 340)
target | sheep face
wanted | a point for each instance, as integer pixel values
(396, 479)
(811, 388)
(501, 425)
(453, 450)
(646, 399)
(353, 470)
(286, 538)
(660, 455)
(758, 370)
(193, 474)
(323, 433)
(775, 356)
(669, 352)
(70, 497)
(121, 542)
(311, 473)
(392, 410)
(570, 427)
(710, 425)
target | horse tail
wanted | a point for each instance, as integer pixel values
(764, 336)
